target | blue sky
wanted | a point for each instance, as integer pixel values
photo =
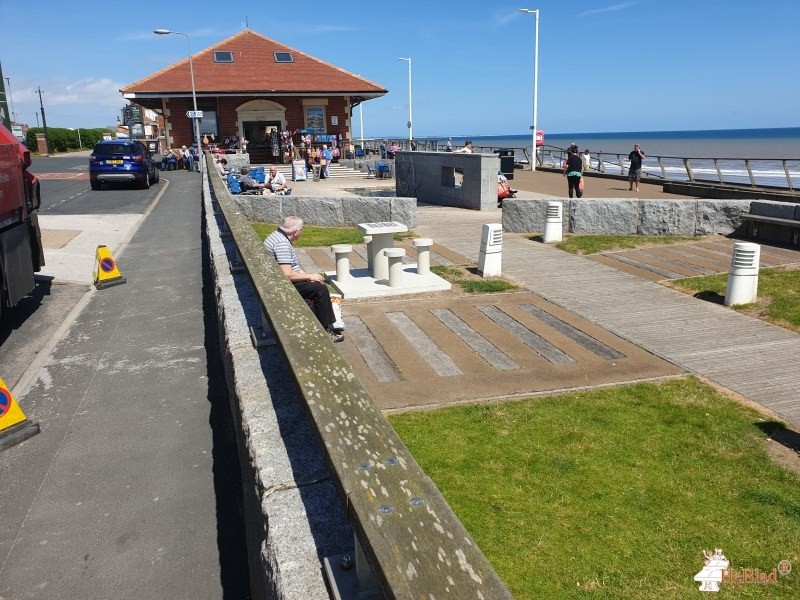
(604, 65)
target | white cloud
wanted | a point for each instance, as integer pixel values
(612, 8)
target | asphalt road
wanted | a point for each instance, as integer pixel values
(70, 209)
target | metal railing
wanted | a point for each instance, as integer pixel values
(755, 172)
(412, 541)
(781, 173)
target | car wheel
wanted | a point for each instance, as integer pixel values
(145, 185)
(157, 176)
(96, 185)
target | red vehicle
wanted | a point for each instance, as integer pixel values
(21, 253)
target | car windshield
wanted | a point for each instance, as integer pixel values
(112, 149)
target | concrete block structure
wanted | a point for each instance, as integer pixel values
(448, 178)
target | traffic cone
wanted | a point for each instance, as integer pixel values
(106, 272)
(14, 427)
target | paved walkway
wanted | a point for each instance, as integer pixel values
(746, 355)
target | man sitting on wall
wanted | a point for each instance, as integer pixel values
(311, 286)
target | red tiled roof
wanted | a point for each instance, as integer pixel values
(254, 70)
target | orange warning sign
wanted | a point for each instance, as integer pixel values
(14, 427)
(106, 272)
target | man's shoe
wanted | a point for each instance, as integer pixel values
(336, 337)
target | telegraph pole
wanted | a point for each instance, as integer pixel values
(44, 121)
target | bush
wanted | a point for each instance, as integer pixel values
(65, 140)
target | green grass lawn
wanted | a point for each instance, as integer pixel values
(594, 244)
(614, 493)
(316, 237)
(473, 284)
(778, 294)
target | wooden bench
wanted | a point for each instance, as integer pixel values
(765, 212)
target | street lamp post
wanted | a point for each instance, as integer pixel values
(410, 120)
(194, 93)
(13, 114)
(534, 150)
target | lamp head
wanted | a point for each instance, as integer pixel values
(161, 31)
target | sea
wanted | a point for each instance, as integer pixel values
(773, 143)
(772, 151)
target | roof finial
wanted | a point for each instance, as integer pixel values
(246, 22)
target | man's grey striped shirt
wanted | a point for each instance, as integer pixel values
(281, 248)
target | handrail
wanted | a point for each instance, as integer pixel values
(781, 173)
(411, 538)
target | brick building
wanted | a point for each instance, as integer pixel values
(251, 86)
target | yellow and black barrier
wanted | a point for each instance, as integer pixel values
(106, 272)
(14, 427)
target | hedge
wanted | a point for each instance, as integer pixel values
(64, 140)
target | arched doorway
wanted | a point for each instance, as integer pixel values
(258, 119)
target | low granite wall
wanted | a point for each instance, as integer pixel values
(328, 211)
(623, 216)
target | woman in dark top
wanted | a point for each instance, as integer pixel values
(572, 169)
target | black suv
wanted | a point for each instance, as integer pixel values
(123, 161)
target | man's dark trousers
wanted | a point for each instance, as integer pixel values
(320, 298)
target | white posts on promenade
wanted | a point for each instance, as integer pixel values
(743, 274)
(535, 80)
(554, 222)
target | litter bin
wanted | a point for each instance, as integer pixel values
(506, 161)
(317, 169)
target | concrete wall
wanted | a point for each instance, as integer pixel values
(327, 211)
(624, 216)
(293, 516)
(432, 177)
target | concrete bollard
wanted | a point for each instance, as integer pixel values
(368, 242)
(342, 253)
(553, 224)
(395, 258)
(743, 274)
(423, 246)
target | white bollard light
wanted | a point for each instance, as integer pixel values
(553, 223)
(743, 274)
(491, 254)
(342, 253)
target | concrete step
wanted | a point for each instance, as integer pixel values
(335, 170)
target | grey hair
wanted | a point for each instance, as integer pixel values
(292, 223)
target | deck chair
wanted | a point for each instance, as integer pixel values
(371, 171)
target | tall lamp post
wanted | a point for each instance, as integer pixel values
(534, 149)
(194, 93)
(410, 121)
(13, 114)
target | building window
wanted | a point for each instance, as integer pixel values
(223, 57)
(315, 119)
(283, 57)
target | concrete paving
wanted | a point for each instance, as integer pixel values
(745, 355)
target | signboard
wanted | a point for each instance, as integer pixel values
(299, 172)
(194, 114)
(18, 133)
